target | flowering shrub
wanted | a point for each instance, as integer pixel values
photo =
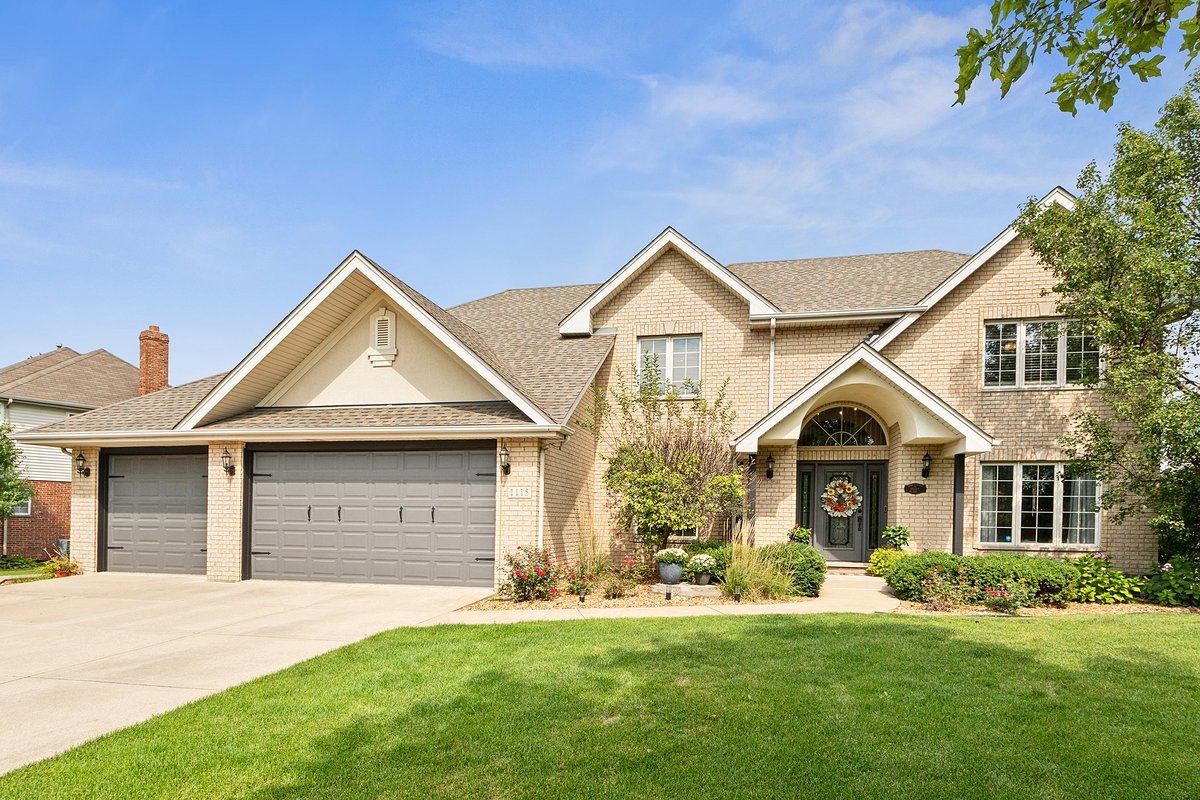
(671, 555)
(700, 564)
(1051, 581)
(578, 580)
(531, 575)
(720, 553)
(1176, 584)
(944, 590)
(1101, 582)
(800, 534)
(882, 560)
(621, 580)
(896, 536)
(1007, 599)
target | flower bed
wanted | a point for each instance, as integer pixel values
(640, 596)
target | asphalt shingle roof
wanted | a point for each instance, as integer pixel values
(68, 378)
(158, 411)
(490, 412)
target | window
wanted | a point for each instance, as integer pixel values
(677, 359)
(23, 509)
(1038, 505)
(842, 426)
(1042, 353)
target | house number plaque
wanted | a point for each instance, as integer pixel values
(915, 488)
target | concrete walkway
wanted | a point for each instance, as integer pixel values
(859, 594)
(115, 648)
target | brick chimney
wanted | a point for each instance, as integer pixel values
(152, 367)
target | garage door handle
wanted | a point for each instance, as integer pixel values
(339, 513)
(114, 547)
(260, 552)
(432, 514)
(310, 513)
(402, 513)
(484, 559)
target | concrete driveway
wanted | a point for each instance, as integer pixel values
(119, 648)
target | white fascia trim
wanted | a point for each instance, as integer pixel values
(864, 354)
(579, 321)
(423, 433)
(357, 262)
(864, 314)
(1057, 195)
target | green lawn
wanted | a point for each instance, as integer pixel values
(813, 706)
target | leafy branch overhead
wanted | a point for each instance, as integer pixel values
(14, 489)
(1100, 40)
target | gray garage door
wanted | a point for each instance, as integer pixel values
(157, 513)
(425, 516)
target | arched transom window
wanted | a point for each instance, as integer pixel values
(842, 426)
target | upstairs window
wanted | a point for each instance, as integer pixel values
(676, 359)
(1039, 353)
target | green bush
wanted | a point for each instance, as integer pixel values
(1007, 599)
(532, 575)
(1177, 583)
(895, 535)
(883, 559)
(907, 576)
(757, 576)
(1049, 580)
(800, 534)
(1100, 582)
(802, 562)
(18, 562)
(720, 552)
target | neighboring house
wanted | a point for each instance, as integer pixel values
(374, 436)
(44, 389)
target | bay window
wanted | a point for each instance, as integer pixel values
(1039, 353)
(1038, 505)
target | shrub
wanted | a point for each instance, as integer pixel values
(946, 590)
(577, 577)
(720, 553)
(756, 575)
(882, 560)
(802, 563)
(699, 564)
(1007, 599)
(621, 580)
(1177, 583)
(671, 555)
(61, 563)
(18, 562)
(895, 535)
(800, 535)
(531, 575)
(907, 576)
(1049, 580)
(1100, 582)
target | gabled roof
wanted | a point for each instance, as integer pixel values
(64, 377)
(975, 438)
(579, 321)
(463, 341)
(1057, 196)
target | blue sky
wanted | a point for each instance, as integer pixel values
(200, 166)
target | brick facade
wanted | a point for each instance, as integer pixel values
(85, 510)
(225, 512)
(37, 535)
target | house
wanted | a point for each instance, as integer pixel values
(43, 389)
(375, 436)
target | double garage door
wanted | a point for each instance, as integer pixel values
(407, 516)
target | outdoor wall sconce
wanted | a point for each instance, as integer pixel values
(926, 464)
(227, 463)
(505, 467)
(770, 467)
(81, 465)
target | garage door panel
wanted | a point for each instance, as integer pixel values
(157, 508)
(405, 516)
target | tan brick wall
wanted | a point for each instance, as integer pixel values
(516, 518)
(85, 511)
(775, 500)
(570, 522)
(225, 512)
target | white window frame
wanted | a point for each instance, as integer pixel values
(1056, 542)
(28, 509)
(1060, 367)
(669, 358)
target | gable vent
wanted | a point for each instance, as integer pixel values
(382, 351)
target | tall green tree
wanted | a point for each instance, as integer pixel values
(1101, 40)
(14, 489)
(1127, 262)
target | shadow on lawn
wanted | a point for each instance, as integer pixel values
(771, 707)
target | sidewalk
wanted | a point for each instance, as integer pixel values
(856, 594)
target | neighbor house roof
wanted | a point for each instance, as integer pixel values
(843, 283)
(158, 411)
(64, 377)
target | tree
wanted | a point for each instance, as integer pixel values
(1127, 263)
(670, 467)
(1099, 39)
(14, 489)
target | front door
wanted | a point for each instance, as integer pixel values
(841, 536)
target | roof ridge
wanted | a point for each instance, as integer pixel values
(521, 289)
(854, 255)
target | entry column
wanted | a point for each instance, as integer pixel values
(226, 507)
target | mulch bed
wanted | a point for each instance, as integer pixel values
(639, 597)
(908, 607)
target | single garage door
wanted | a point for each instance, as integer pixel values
(157, 513)
(408, 516)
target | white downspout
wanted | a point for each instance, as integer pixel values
(771, 371)
(541, 492)
(5, 419)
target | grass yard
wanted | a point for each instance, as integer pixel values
(788, 707)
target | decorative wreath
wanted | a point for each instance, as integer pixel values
(841, 498)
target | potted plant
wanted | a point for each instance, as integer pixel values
(61, 566)
(670, 564)
(701, 566)
(800, 534)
